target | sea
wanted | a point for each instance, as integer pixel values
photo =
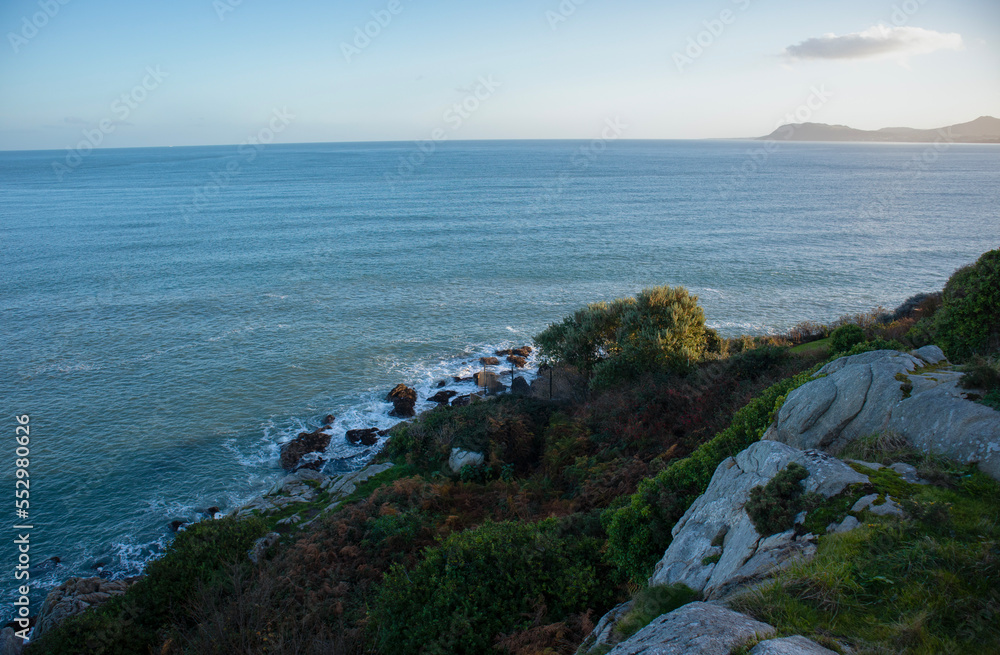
(170, 316)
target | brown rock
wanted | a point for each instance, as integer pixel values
(489, 361)
(517, 361)
(300, 446)
(523, 351)
(442, 397)
(490, 381)
(403, 398)
(366, 437)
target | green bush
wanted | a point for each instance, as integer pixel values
(639, 530)
(968, 322)
(159, 603)
(773, 507)
(651, 602)
(982, 373)
(846, 337)
(660, 329)
(491, 580)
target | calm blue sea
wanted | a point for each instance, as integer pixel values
(170, 315)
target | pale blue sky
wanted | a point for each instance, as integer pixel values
(224, 77)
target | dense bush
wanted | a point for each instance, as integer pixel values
(159, 604)
(773, 506)
(662, 328)
(481, 583)
(639, 531)
(846, 337)
(968, 322)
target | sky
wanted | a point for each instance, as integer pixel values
(198, 72)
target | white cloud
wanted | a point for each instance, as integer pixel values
(877, 41)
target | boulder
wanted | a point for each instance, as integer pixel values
(715, 545)
(328, 420)
(403, 399)
(854, 399)
(365, 437)
(523, 351)
(889, 391)
(75, 596)
(443, 397)
(489, 361)
(694, 629)
(520, 387)
(177, 524)
(300, 446)
(260, 546)
(796, 645)
(462, 401)
(460, 458)
(517, 360)
(490, 381)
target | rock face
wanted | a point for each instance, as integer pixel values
(694, 629)
(305, 443)
(460, 458)
(885, 391)
(305, 486)
(365, 437)
(853, 400)
(796, 645)
(74, 596)
(739, 554)
(403, 398)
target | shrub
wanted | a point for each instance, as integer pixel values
(846, 337)
(651, 602)
(201, 557)
(982, 373)
(487, 581)
(639, 530)
(968, 322)
(662, 328)
(773, 507)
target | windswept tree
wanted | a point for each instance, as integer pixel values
(660, 329)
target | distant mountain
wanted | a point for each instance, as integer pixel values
(984, 129)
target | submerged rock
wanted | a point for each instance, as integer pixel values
(517, 360)
(305, 443)
(489, 361)
(403, 399)
(443, 397)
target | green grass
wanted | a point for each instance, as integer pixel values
(812, 348)
(925, 584)
(651, 602)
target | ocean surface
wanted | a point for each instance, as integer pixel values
(171, 315)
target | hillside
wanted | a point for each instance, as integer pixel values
(984, 129)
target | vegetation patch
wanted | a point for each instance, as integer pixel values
(649, 603)
(925, 584)
(773, 507)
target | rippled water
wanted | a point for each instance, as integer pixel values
(171, 315)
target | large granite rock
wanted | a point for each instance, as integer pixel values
(694, 629)
(403, 400)
(853, 400)
(796, 645)
(75, 596)
(489, 381)
(560, 383)
(460, 458)
(889, 391)
(716, 547)
(304, 444)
